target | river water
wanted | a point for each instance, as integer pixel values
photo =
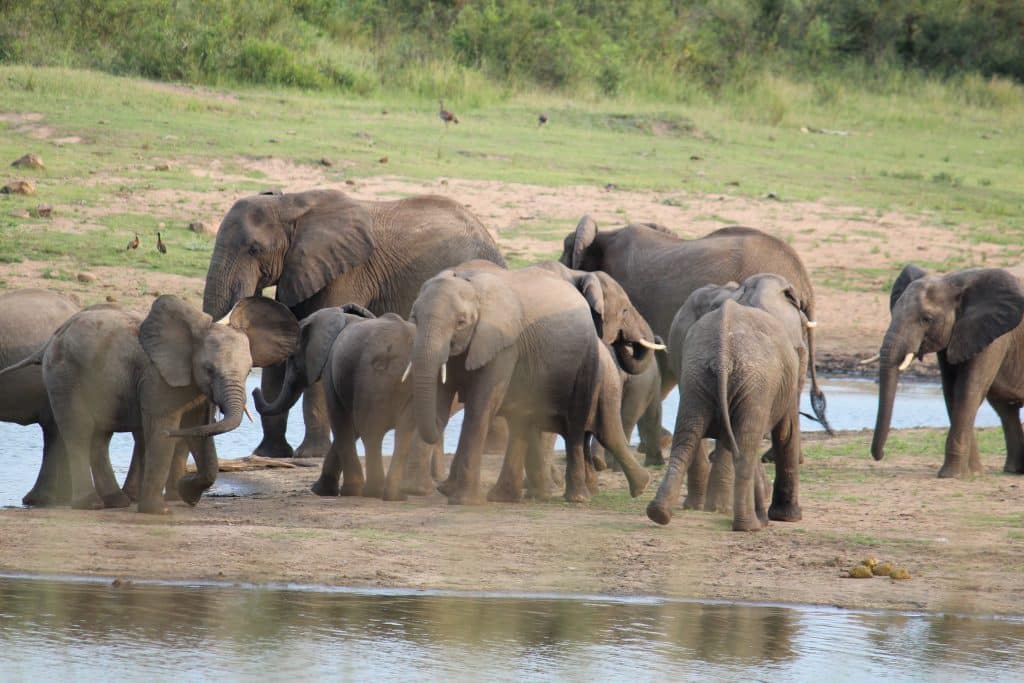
(851, 405)
(92, 631)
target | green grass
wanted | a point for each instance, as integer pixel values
(922, 151)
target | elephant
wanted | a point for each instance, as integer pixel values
(321, 248)
(107, 370)
(28, 317)
(641, 408)
(765, 291)
(523, 346)
(971, 319)
(659, 270)
(740, 371)
(362, 360)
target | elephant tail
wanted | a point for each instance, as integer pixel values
(817, 395)
(36, 358)
(724, 365)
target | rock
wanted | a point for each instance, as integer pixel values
(201, 228)
(44, 210)
(111, 298)
(86, 277)
(162, 166)
(382, 160)
(326, 162)
(20, 213)
(349, 181)
(25, 187)
(29, 161)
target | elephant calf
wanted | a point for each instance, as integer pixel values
(740, 375)
(362, 360)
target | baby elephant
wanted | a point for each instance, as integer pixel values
(739, 377)
(362, 360)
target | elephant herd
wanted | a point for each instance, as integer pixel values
(390, 315)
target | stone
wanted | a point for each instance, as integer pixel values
(20, 213)
(201, 228)
(44, 210)
(25, 187)
(29, 161)
(86, 277)
(111, 298)
(326, 162)
(162, 166)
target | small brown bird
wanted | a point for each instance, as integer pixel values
(160, 246)
(542, 119)
(446, 115)
(134, 244)
(382, 160)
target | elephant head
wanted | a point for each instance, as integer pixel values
(299, 242)
(957, 315)
(582, 250)
(317, 333)
(456, 313)
(774, 294)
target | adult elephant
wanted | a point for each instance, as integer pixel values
(322, 248)
(971, 320)
(27, 319)
(659, 270)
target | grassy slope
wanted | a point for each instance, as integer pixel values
(920, 152)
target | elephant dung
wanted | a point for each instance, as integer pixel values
(29, 161)
(25, 187)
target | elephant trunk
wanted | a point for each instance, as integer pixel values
(892, 358)
(227, 282)
(293, 386)
(231, 402)
(632, 357)
(430, 351)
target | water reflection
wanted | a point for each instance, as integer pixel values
(83, 631)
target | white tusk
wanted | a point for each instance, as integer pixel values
(444, 373)
(408, 369)
(224, 320)
(906, 362)
(651, 345)
(811, 324)
(869, 361)
(245, 409)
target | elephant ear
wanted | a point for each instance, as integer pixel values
(586, 233)
(591, 289)
(332, 235)
(499, 321)
(909, 273)
(271, 328)
(356, 309)
(168, 335)
(316, 338)
(991, 304)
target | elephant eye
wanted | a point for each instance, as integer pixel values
(460, 322)
(926, 319)
(254, 250)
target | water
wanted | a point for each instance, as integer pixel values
(851, 405)
(85, 631)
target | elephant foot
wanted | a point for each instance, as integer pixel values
(419, 488)
(274, 448)
(447, 487)
(90, 501)
(654, 459)
(313, 448)
(131, 489)
(538, 495)
(391, 494)
(373, 489)
(951, 471)
(324, 487)
(575, 494)
(504, 494)
(1009, 468)
(191, 489)
(694, 503)
(713, 505)
(597, 458)
(977, 468)
(745, 524)
(171, 495)
(118, 499)
(639, 483)
(154, 507)
(42, 498)
(354, 488)
(658, 513)
(785, 513)
(466, 497)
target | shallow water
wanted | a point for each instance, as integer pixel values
(851, 405)
(84, 631)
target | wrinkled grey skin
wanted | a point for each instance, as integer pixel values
(27, 319)
(641, 408)
(740, 373)
(971, 320)
(361, 360)
(521, 346)
(321, 249)
(712, 491)
(658, 270)
(107, 371)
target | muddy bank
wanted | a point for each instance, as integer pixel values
(962, 541)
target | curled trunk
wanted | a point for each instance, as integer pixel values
(227, 282)
(632, 357)
(232, 405)
(292, 388)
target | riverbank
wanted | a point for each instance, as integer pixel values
(962, 541)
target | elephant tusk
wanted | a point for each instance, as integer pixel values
(906, 362)
(245, 409)
(869, 361)
(651, 345)
(408, 369)
(811, 324)
(444, 373)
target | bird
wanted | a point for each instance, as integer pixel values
(446, 115)
(133, 244)
(542, 119)
(382, 160)
(160, 246)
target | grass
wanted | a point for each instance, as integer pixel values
(920, 151)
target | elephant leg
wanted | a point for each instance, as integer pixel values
(1009, 415)
(650, 435)
(973, 379)
(133, 480)
(53, 484)
(785, 506)
(691, 423)
(611, 436)
(497, 436)
(103, 474)
(157, 464)
(540, 470)
(509, 487)
(178, 462)
(374, 485)
(274, 443)
(576, 490)
(697, 479)
(405, 452)
(720, 480)
(761, 495)
(589, 469)
(341, 460)
(190, 487)
(76, 430)
(317, 439)
(595, 455)
(437, 464)
(483, 398)
(418, 474)
(745, 511)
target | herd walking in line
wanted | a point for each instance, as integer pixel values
(394, 315)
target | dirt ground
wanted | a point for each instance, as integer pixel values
(960, 540)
